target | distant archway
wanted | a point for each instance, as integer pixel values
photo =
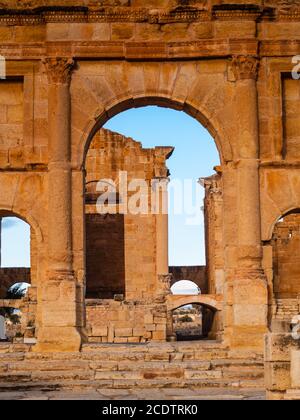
(15, 253)
(109, 152)
(185, 287)
(193, 322)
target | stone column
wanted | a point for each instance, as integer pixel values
(249, 286)
(59, 318)
(162, 226)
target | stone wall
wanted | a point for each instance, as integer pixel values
(11, 276)
(291, 125)
(278, 374)
(109, 321)
(11, 123)
(286, 257)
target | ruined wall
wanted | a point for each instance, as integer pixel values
(278, 367)
(286, 257)
(126, 322)
(120, 249)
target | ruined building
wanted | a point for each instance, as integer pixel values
(103, 282)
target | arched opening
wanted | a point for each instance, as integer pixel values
(150, 157)
(193, 322)
(146, 155)
(15, 254)
(10, 313)
(185, 287)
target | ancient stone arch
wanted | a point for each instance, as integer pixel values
(162, 99)
(70, 68)
(175, 302)
(29, 219)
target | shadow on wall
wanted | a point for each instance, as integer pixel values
(286, 257)
(105, 257)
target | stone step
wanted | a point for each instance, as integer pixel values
(130, 384)
(139, 373)
(173, 365)
(152, 347)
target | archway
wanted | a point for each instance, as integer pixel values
(198, 112)
(18, 257)
(194, 321)
(111, 153)
(185, 287)
(15, 252)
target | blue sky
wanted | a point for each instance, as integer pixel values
(15, 246)
(195, 156)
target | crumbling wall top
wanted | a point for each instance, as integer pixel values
(146, 4)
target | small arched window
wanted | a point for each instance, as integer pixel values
(185, 287)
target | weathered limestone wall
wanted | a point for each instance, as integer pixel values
(121, 249)
(291, 139)
(11, 123)
(278, 367)
(286, 258)
(109, 321)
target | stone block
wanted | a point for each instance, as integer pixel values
(159, 335)
(139, 332)
(100, 331)
(122, 31)
(123, 332)
(277, 376)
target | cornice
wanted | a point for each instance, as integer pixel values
(45, 15)
(137, 51)
(272, 10)
(183, 14)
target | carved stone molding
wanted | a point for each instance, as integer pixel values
(59, 69)
(165, 281)
(245, 67)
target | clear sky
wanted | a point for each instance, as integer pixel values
(195, 156)
(15, 246)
